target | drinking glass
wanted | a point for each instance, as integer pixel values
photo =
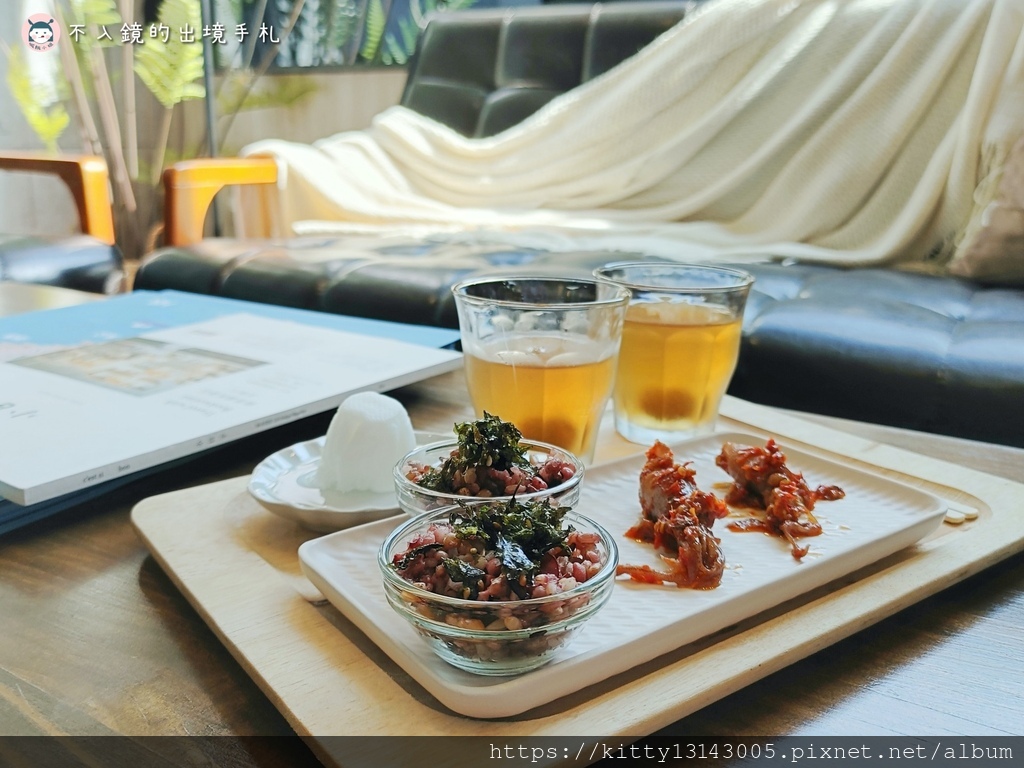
(540, 353)
(680, 343)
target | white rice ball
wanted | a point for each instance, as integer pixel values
(368, 435)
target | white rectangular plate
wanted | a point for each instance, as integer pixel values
(878, 517)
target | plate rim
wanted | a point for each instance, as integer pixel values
(316, 515)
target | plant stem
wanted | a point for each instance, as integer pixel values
(161, 145)
(128, 95)
(250, 48)
(86, 122)
(268, 59)
(111, 128)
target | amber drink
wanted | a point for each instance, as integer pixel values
(541, 353)
(680, 344)
(566, 382)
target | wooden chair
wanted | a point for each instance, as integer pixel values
(90, 261)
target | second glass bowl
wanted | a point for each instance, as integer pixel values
(415, 499)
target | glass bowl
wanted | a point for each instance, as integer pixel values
(497, 637)
(415, 499)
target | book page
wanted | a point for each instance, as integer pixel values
(79, 415)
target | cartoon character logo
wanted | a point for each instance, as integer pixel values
(40, 32)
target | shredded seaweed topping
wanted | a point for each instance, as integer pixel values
(487, 442)
(471, 577)
(520, 534)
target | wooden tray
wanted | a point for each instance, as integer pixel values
(237, 564)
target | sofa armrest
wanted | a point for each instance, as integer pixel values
(189, 188)
(86, 177)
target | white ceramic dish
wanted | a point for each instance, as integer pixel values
(878, 517)
(285, 483)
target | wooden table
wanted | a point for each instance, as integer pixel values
(96, 640)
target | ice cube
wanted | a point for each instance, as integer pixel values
(517, 357)
(570, 360)
(503, 323)
(576, 323)
(368, 435)
(526, 322)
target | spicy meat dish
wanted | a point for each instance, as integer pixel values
(677, 516)
(763, 480)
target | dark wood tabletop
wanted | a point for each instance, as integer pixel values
(96, 640)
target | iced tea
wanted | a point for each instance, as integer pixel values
(675, 364)
(680, 344)
(552, 388)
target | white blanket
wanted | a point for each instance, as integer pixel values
(846, 131)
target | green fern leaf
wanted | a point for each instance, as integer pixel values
(414, 21)
(236, 96)
(393, 53)
(171, 70)
(91, 14)
(374, 30)
(100, 12)
(410, 34)
(47, 121)
(344, 24)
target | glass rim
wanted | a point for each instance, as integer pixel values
(743, 279)
(402, 481)
(606, 572)
(459, 291)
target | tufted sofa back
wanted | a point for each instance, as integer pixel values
(509, 64)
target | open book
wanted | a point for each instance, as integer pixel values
(149, 378)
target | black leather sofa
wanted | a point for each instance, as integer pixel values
(79, 262)
(89, 261)
(931, 353)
